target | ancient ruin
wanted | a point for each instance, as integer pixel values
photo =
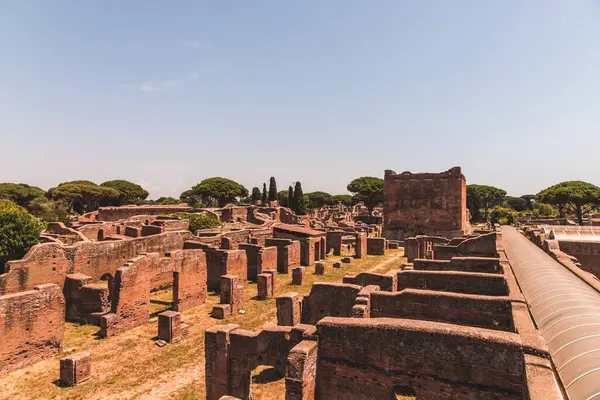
(403, 304)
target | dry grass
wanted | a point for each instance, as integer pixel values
(130, 365)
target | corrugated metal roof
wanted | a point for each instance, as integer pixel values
(572, 233)
(566, 311)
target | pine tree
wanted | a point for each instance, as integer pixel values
(272, 189)
(255, 194)
(264, 195)
(291, 203)
(299, 200)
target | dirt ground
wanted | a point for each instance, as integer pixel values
(131, 366)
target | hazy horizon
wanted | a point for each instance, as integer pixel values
(168, 94)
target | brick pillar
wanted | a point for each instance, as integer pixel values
(319, 268)
(230, 292)
(265, 286)
(297, 275)
(361, 245)
(216, 350)
(301, 371)
(411, 249)
(289, 309)
(169, 326)
(75, 369)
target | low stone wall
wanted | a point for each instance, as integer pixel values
(329, 299)
(451, 281)
(464, 309)
(387, 282)
(437, 361)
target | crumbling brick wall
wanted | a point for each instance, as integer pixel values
(452, 281)
(259, 259)
(288, 253)
(488, 265)
(130, 298)
(189, 279)
(478, 246)
(456, 308)
(376, 246)
(32, 325)
(51, 262)
(387, 282)
(424, 204)
(329, 299)
(127, 212)
(437, 361)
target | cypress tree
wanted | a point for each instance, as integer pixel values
(299, 200)
(255, 194)
(272, 189)
(264, 195)
(291, 203)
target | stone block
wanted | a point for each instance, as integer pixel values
(75, 369)
(169, 326)
(265, 286)
(347, 260)
(297, 276)
(320, 268)
(220, 311)
(289, 309)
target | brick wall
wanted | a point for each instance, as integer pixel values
(424, 204)
(32, 325)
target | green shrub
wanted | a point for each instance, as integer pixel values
(502, 215)
(19, 230)
(199, 221)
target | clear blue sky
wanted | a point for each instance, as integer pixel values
(169, 93)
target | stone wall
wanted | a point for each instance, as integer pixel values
(329, 299)
(464, 309)
(431, 360)
(189, 279)
(126, 212)
(288, 253)
(587, 253)
(32, 325)
(424, 204)
(130, 298)
(452, 281)
(51, 262)
(260, 259)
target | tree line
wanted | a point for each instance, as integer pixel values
(488, 203)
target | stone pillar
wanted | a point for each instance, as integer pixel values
(320, 268)
(75, 369)
(169, 326)
(289, 309)
(361, 245)
(411, 249)
(301, 371)
(216, 350)
(231, 293)
(265, 286)
(297, 275)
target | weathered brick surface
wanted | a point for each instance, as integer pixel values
(301, 371)
(231, 293)
(289, 309)
(130, 297)
(438, 361)
(361, 245)
(298, 275)
(489, 265)
(417, 204)
(216, 344)
(329, 300)
(465, 309)
(451, 281)
(479, 246)
(84, 298)
(189, 278)
(51, 262)
(32, 325)
(265, 285)
(75, 369)
(288, 253)
(319, 268)
(260, 259)
(376, 246)
(169, 326)
(387, 282)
